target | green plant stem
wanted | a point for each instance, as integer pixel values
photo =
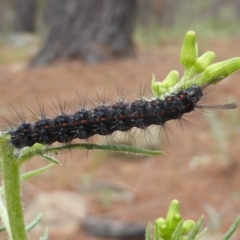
(12, 187)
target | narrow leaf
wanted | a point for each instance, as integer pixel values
(4, 214)
(199, 236)
(107, 147)
(45, 236)
(40, 150)
(232, 229)
(51, 159)
(28, 152)
(34, 222)
(178, 231)
(148, 232)
(36, 172)
(195, 230)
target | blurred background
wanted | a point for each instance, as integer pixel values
(53, 48)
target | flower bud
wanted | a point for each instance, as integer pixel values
(175, 220)
(188, 225)
(171, 79)
(158, 226)
(173, 210)
(160, 88)
(189, 52)
(156, 86)
(204, 61)
(218, 71)
(164, 231)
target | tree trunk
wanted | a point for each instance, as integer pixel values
(91, 30)
(25, 20)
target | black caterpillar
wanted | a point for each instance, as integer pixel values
(104, 120)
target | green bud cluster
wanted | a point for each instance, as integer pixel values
(173, 227)
(173, 224)
(161, 88)
(199, 70)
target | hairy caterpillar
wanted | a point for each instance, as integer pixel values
(106, 119)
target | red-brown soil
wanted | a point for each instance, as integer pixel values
(200, 167)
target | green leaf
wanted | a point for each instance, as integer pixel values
(196, 229)
(35, 172)
(148, 235)
(51, 159)
(4, 214)
(30, 226)
(107, 147)
(45, 236)
(34, 222)
(199, 236)
(29, 152)
(178, 231)
(232, 229)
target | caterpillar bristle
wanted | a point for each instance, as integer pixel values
(121, 95)
(140, 92)
(39, 111)
(18, 116)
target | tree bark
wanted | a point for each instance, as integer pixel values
(25, 20)
(91, 30)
